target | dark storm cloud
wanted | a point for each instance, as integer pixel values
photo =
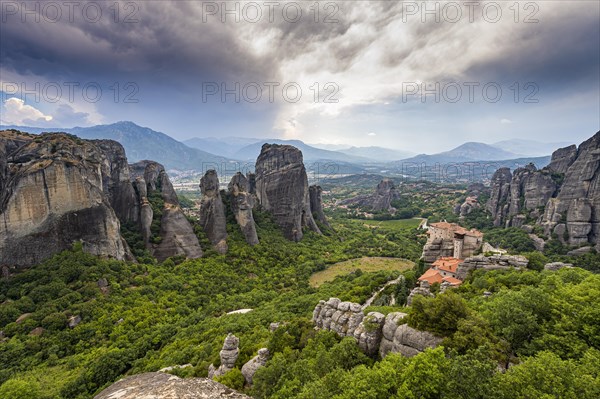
(169, 42)
(560, 52)
(371, 47)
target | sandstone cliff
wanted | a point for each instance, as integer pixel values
(380, 200)
(374, 333)
(316, 204)
(212, 211)
(564, 197)
(242, 203)
(56, 189)
(176, 233)
(282, 189)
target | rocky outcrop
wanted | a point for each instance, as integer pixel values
(374, 333)
(117, 181)
(212, 211)
(400, 338)
(529, 190)
(557, 266)
(562, 159)
(258, 361)
(228, 354)
(471, 202)
(167, 386)
(564, 197)
(347, 320)
(493, 262)
(242, 203)
(500, 190)
(519, 196)
(379, 201)
(53, 194)
(422, 289)
(282, 189)
(316, 204)
(176, 234)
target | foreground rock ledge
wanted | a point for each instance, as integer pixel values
(167, 386)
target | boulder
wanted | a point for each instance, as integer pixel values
(421, 289)
(494, 262)
(556, 266)
(250, 368)
(74, 321)
(410, 342)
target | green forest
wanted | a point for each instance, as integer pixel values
(145, 316)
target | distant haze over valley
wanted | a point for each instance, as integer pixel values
(201, 153)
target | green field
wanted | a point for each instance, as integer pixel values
(393, 224)
(366, 264)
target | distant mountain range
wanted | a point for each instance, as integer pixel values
(464, 153)
(250, 152)
(141, 143)
(201, 153)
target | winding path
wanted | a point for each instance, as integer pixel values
(372, 298)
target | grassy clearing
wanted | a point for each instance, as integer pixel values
(365, 264)
(393, 224)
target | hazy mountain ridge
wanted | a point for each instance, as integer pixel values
(141, 143)
(310, 153)
(200, 153)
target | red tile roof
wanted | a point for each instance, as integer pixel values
(447, 264)
(431, 276)
(452, 280)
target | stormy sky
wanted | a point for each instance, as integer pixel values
(418, 76)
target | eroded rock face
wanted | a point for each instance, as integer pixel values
(566, 192)
(167, 386)
(380, 200)
(117, 181)
(500, 189)
(52, 194)
(282, 189)
(316, 204)
(400, 338)
(347, 320)
(494, 262)
(250, 368)
(242, 203)
(374, 333)
(563, 158)
(176, 232)
(228, 354)
(212, 211)
(422, 289)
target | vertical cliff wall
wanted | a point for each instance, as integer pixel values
(282, 189)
